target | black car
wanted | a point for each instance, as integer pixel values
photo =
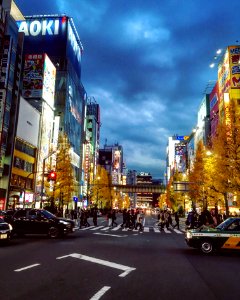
(5, 230)
(40, 221)
(225, 236)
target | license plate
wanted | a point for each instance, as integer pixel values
(3, 236)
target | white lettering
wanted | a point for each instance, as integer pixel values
(23, 28)
(46, 26)
(35, 28)
(56, 27)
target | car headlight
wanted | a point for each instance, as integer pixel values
(63, 222)
(189, 235)
(10, 227)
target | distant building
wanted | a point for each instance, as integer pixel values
(111, 158)
(144, 200)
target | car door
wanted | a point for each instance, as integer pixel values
(20, 222)
(232, 233)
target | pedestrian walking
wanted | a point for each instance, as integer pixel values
(124, 216)
(95, 217)
(113, 218)
(139, 221)
(176, 220)
(109, 218)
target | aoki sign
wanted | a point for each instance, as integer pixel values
(36, 27)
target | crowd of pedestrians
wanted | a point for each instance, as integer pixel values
(133, 219)
(206, 217)
(165, 219)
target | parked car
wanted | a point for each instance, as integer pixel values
(5, 230)
(225, 236)
(40, 221)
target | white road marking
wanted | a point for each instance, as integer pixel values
(100, 293)
(146, 229)
(178, 231)
(167, 231)
(106, 228)
(156, 229)
(110, 264)
(116, 228)
(96, 228)
(86, 228)
(25, 268)
(108, 234)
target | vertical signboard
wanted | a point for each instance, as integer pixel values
(224, 76)
(214, 108)
(33, 76)
(234, 57)
(49, 77)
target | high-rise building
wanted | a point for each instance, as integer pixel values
(91, 144)
(11, 43)
(56, 40)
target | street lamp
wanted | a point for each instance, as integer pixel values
(43, 173)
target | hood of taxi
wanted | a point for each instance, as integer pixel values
(203, 228)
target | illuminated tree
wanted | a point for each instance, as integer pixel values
(100, 190)
(197, 176)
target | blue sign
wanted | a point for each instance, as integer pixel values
(75, 199)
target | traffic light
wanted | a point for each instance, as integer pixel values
(52, 176)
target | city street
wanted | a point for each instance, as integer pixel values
(115, 264)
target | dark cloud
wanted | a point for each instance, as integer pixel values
(147, 64)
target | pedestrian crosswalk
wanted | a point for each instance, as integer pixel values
(146, 229)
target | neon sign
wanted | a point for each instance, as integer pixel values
(43, 27)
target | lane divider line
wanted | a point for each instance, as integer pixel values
(25, 268)
(100, 293)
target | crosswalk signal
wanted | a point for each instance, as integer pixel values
(52, 176)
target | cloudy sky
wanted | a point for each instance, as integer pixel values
(147, 64)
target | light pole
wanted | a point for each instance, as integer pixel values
(43, 173)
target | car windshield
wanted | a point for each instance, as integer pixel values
(47, 214)
(224, 224)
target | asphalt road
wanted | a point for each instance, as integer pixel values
(115, 264)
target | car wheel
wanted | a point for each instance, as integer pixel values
(206, 247)
(53, 232)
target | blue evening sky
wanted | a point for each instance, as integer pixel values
(147, 64)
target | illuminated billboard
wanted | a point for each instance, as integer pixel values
(33, 76)
(224, 75)
(180, 149)
(234, 57)
(55, 35)
(49, 77)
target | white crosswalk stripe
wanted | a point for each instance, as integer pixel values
(96, 228)
(116, 228)
(145, 229)
(166, 230)
(105, 228)
(87, 228)
(178, 231)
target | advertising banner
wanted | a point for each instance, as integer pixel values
(28, 123)
(234, 57)
(49, 77)
(224, 76)
(33, 76)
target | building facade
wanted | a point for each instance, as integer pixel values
(11, 45)
(56, 38)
